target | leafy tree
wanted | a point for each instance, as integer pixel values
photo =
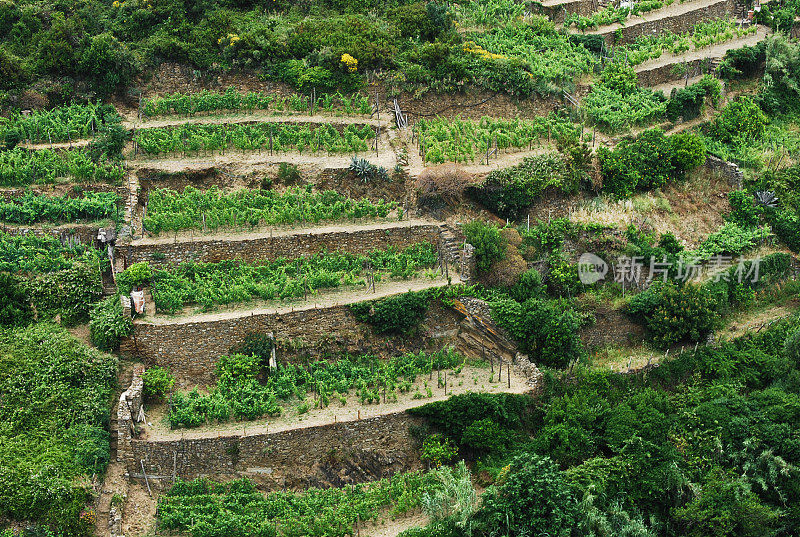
(108, 62)
(546, 329)
(726, 506)
(532, 499)
(488, 243)
(781, 74)
(741, 120)
(672, 313)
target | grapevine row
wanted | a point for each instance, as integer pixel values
(226, 282)
(239, 395)
(231, 100)
(60, 124)
(169, 210)
(203, 508)
(462, 140)
(31, 208)
(20, 166)
(258, 136)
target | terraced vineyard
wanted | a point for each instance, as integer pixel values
(399, 269)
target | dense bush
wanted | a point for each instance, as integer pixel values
(158, 382)
(688, 102)
(56, 395)
(107, 324)
(740, 121)
(533, 499)
(400, 314)
(488, 243)
(134, 276)
(650, 161)
(674, 313)
(547, 330)
(15, 309)
(701, 445)
(509, 192)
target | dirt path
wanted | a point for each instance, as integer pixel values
(323, 300)
(752, 321)
(132, 123)
(472, 378)
(263, 233)
(714, 51)
(504, 159)
(60, 145)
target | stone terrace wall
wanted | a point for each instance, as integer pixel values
(559, 12)
(328, 455)
(676, 24)
(130, 403)
(191, 350)
(728, 170)
(289, 246)
(666, 73)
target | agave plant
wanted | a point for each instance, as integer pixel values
(766, 198)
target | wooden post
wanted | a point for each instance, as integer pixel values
(508, 369)
(144, 473)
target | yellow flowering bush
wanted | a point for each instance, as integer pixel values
(472, 48)
(350, 62)
(229, 40)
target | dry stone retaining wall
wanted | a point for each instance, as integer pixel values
(191, 350)
(326, 455)
(676, 24)
(288, 246)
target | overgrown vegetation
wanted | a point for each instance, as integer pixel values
(701, 445)
(56, 399)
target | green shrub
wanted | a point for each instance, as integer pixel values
(509, 192)
(548, 330)
(108, 325)
(533, 499)
(137, 274)
(488, 243)
(158, 382)
(673, 314)
(15, 309)
(438, 450)
(743, 210)
(400, 314)
(688, 102)
(792, 347)
(56, 402)
(741, 120)
(650, 161)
